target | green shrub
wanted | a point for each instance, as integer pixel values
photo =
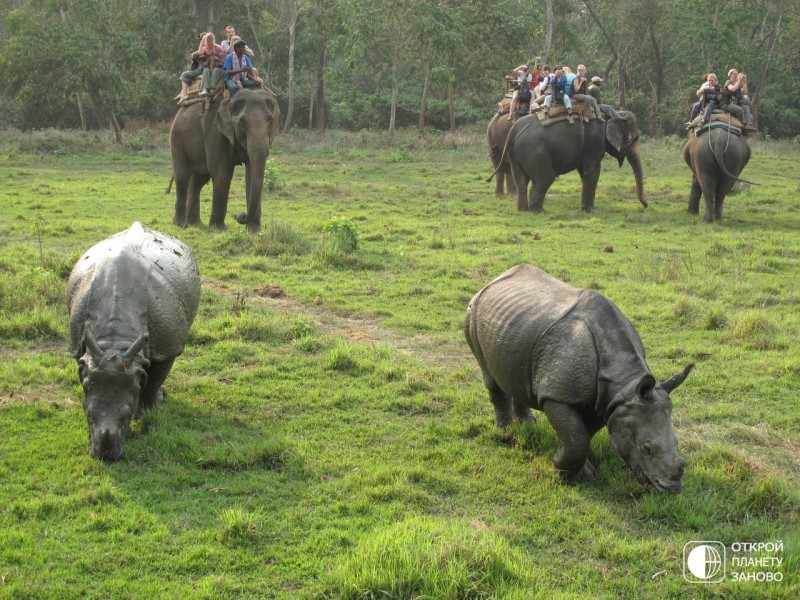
(344, 234)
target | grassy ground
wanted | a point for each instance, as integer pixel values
(337, 441)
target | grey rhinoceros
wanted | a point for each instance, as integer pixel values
(572, 354)
(132, 298)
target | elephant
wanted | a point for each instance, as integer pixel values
(496, 136)
(541, 153)
(207, 142)
(716, 158)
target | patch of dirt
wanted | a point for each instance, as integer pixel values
(447, 350)
(271, 291)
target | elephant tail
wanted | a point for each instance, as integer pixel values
(719, 154)
(509, 140)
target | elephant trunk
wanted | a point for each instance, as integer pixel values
(257, 152)
(634, 157)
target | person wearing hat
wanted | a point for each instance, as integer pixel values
(237, 67)
(523, 91)
(594, 88)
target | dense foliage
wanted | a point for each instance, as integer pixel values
(355, 64)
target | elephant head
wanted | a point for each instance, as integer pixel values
(622, 141)
(112, 381)
(250, 121)
(641, 431)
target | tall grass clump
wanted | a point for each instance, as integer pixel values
(754, 329)
(431, 558)
(277, 238)
(238, 525)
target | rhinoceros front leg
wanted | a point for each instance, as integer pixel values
(153, 390)
(572, 459)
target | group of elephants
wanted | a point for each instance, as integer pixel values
(540, 343)
(527, 151)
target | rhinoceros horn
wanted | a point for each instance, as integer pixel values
(135, 347)
(91, 343)
(674, 381)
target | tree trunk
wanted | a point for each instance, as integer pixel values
(256, 41)
(548, 40)
(395, 94)
(762, 75)
(452, 106)
(311, 109)
(423, 107)
(287, 124)
(81, 113)
(323, 57)
(207, 14)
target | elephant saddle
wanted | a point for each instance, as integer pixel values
(558, 113)
(719, 119)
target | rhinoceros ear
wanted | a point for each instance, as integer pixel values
(674, 381)
(645, 386)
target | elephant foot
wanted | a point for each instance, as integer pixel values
(217, 227)
(180, 222)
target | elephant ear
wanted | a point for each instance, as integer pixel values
(224, 122)
(616, 131)
(275, 124)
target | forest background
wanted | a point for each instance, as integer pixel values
(360, 64)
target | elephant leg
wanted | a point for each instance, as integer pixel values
(499, 182)
(541, 184)
(196, 183)
(572, 458)
(153, 391)
(710, 198)
(511, 186)
(723, 189)
(181, 198)
(694, 196)
(219, 200)
(522, 180)
(589, 179)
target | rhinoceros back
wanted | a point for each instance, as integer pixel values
(133, 281)
(513, 312)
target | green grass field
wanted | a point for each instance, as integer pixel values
(337, 441)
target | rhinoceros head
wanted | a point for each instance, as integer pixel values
(641, 431)
(111, 382)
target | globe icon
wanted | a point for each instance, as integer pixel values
(704, 562)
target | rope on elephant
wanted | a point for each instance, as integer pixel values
(527, 124)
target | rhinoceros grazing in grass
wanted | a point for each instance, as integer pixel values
(572, 354)
(132, 298)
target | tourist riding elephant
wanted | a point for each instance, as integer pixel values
(496, 136)
(208, 143)
(540, 154)
(716, 159)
